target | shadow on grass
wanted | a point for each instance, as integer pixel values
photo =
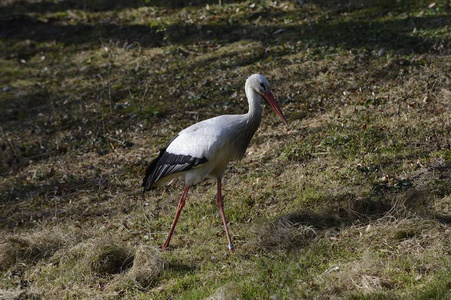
(298, 229)
(25, 28)
(359, 32)
(56, 188)
(115, 5)
(102, 5)
(58, 6)
(26, 205)
(384, 5)
(180, 267)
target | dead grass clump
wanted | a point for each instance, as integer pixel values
(288, 232)
(229, 291)
(413, 201)
(442, 209)
(30, 248)
(368, 208)
(364, 275)
(412, 248)
(108, 256)
(20, 294)
(112, 264)
(146, 268)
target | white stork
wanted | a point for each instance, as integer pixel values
(205, 148)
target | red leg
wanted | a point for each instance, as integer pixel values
(221, 209)
(177, 215)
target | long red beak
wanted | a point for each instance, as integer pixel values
(275, 106)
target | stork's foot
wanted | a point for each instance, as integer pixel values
(163, 247)
(231, 248)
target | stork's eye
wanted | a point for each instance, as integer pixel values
(263, 86)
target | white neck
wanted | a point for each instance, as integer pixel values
(251, 122)
(254, 114)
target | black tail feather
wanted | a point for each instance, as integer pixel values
(150, 169)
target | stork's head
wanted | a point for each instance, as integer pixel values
(261, 85)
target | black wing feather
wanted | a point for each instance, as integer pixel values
(166, 164)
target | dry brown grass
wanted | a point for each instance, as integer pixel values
(20, 294)
(411, 243)
(147, 267)
(290, 232)
(108, 256)
(32, 247)
(229, 291)
(99, 263)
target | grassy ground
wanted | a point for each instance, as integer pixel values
(353, 201)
